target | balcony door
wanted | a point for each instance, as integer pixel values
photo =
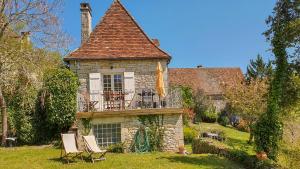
(113, 82)
(113, 91)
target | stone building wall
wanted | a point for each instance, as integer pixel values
(173, 135)
(144, 70)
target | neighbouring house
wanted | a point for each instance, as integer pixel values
(116, 65)
(210, 81)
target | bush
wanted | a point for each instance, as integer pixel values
(60, 99)
(189, 134)
(223, 120)
(209, 116)
(207, 145)
(242, 126)
(116, 148)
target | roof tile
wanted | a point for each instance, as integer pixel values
(118, 36)
(209, 80)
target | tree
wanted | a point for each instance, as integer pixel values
(248, 100)
(269, 128)
(258, 69)
(61, 87)
(40, 18)
(22, 68)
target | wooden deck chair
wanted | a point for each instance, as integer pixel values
(92, 148)
(70, 147)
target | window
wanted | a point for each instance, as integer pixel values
(107, 82)
(107, 134)
(113, 82)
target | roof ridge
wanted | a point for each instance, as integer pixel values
(118, 1)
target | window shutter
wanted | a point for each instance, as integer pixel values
(95, 84)
(129, 87)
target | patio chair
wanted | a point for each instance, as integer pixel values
(92, 148)
(69, 146)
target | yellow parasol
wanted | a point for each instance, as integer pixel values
(160, 87)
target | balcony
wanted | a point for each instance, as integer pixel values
(140, 101)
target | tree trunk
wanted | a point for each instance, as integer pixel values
(4, 118)
(251, 127)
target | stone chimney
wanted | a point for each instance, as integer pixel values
(86, 21)
(156, 42)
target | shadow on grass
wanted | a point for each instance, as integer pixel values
(212, 161)
(71, 160)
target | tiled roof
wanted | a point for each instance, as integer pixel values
(118, 36)
(209, 80)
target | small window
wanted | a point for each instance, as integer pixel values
(107, 134)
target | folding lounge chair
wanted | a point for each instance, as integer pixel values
(70, 148)
(92, 148)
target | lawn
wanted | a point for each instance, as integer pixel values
(37, 157)
(235, 139)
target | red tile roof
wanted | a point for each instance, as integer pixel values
(118, 36)
(209, 80)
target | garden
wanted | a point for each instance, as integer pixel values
(257, 128)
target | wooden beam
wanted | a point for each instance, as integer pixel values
(135, 112)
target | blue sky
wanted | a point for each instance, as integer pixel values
(220, 33)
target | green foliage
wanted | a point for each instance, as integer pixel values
(189, 134)
(116, 148)
(187, 97)
(267, 134)
(155, 130)
(86, 122)
(268, 130)
(61, 100)
(223, 120)
(207, 145)
(258, 69)
(204, 109)
(209, 116)
(187, 103)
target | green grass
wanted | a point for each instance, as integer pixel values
(235, 139)
(35, 157)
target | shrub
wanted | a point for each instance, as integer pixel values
(207, 145)
(223, 120)
(209, 116)
(60, 99)
(189, 134)
(116, 148)
(242, 126)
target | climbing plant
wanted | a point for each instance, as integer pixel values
(269, 128)
(154, 130)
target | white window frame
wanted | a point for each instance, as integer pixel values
(112, 80)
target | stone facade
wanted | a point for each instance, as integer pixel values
(144, 70)
(173, 127)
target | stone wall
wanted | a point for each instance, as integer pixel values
(144, 70)
(173, 126)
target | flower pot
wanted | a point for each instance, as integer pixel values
(261, 155)
(181, 149)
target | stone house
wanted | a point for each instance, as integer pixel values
(116, 65)
(209, 81)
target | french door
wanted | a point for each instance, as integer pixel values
(113, 82)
